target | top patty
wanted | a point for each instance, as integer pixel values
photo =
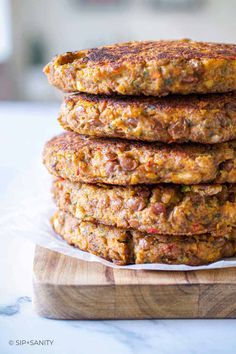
(113, 161)
(153, 68)
(204, 119)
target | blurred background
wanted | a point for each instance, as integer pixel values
(33, 31)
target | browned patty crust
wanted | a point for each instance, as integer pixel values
(126, 247)
(205, 119)
(162, 209)
(83, 159)
(151, 68)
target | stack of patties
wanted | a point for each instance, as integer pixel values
(144, 176)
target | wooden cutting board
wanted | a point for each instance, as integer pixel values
(66, 288)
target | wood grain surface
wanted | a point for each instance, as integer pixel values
(67, 288)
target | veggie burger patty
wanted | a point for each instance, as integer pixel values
(152, 68)
(126, 247)
(160, 209)
(113, 161)
(205, 119)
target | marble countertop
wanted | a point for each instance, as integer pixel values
(24, 129)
